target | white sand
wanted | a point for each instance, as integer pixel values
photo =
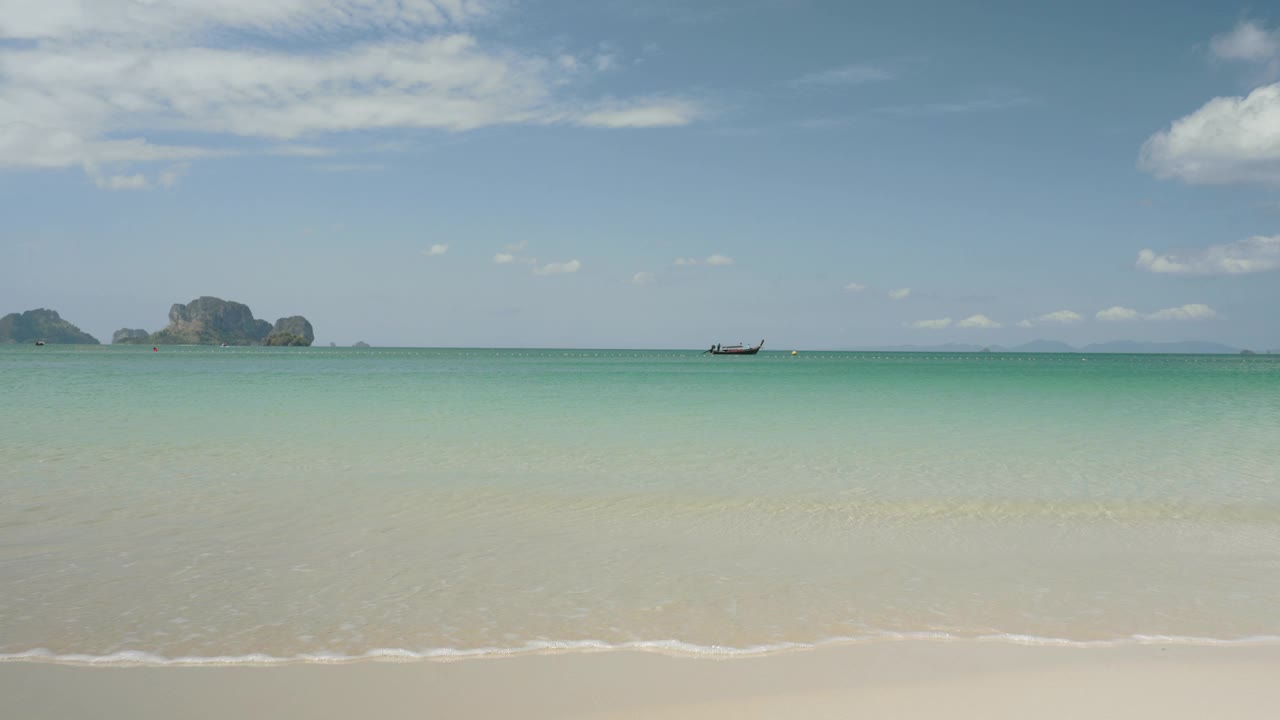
(908, 679)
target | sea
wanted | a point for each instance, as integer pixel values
(258, 505)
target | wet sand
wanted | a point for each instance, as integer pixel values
(905, 679)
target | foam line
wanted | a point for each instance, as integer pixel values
(669, 647)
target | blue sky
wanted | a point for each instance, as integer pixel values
(660, 174)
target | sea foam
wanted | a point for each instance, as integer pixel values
(678, 648)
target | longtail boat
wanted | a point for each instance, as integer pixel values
(735, 349)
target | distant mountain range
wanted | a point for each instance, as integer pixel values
(1189, 347)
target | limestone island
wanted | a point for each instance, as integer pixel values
(42, 326)
(125, 336)
(213, 321)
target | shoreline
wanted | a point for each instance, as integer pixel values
(904, 678)
(665, 648)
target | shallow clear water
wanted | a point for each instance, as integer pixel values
(264, 502)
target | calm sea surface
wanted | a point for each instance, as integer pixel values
(264, 503)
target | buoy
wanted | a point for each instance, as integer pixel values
(793, 352)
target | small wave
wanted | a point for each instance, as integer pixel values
(1194, 640)
(667, 647)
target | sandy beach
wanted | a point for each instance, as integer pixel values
(904, 679)
(700, 359)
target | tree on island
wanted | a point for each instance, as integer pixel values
(295, 330)
(286, 340)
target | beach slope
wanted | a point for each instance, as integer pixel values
(906, 679)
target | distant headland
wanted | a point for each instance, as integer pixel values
(214, 321)
(42, 325)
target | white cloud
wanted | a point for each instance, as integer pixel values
(978, 321)
(642, 278)
(1255, 254)
(169, 177)
(350, 167)
(1063, 317)
(557, 268)
(443, 82)
(643, 113)
(91, 82)
(1194, 311)
(300, 151)
(45, 146)
(1249, 42)
(858, 74)
(436, 250)
(509, 255)
(605, 61)
(959, 107)
(1117, 314)
(932, 324)
(1228, 140)
(123, 182)
(855, 287)
(919, 110)
(73, 19)
(1025, 324)
(899, 294)
(716, 260)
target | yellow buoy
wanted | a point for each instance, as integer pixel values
(793, 352)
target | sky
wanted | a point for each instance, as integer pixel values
(648, 174)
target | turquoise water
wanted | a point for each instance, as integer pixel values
(269, 503)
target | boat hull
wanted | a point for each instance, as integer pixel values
(737, 350)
